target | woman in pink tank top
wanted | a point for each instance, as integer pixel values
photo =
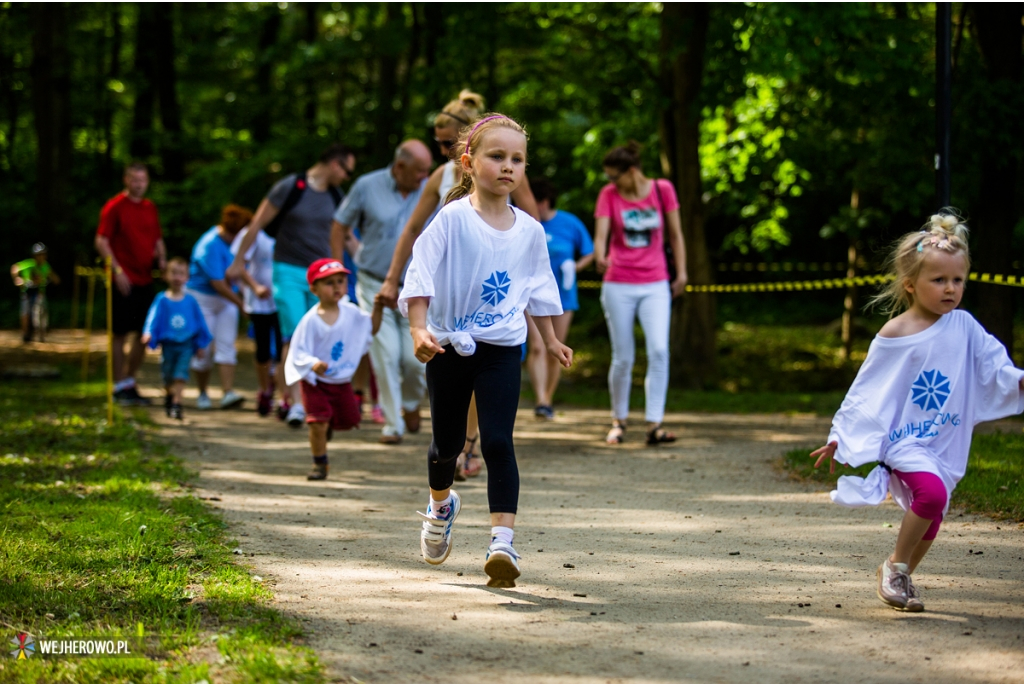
(629, 243)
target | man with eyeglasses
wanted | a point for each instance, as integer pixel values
(297, 212)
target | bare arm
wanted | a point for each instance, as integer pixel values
(120, 279)
(160, 252)
(524, 199)
(583, 262)
(222, 288)
(424, 343)
(675, 237)
(429, 199)
(54, 278)
(265, 213)
(601, 226)
(555, 348)
(16, 275)
(340, 234)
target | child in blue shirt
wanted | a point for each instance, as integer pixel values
(176, 324)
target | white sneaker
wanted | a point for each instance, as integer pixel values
(203, 402)
(436, 536)
(296, 416)
(501, 565)
(231, 399)
(893, 583)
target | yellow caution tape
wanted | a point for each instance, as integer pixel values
(822, 284)
(775, 267)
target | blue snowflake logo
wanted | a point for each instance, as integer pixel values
(496, 288)
(930, 390)
(337, 350)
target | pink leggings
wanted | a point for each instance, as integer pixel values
(929, 497)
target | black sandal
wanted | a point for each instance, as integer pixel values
(618, 437)
(658, 435)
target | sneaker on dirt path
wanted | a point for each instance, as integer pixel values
(914, 601)
(231, 400)
(501, 565)
(296, 416)
(203, 402)
(319, 472)
(436, 536)
(174, 412)
(893, 583)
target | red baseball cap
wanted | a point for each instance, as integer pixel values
(322, 268)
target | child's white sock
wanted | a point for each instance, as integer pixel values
(440, 507)
(502, 534)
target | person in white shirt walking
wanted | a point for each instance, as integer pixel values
(930, 376)
(325, 350)
(476, 271)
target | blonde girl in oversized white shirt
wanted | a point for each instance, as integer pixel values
(930, 376)
(476, 272)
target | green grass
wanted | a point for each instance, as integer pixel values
(99, 536)
(991, 486)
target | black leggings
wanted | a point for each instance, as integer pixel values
(264, 326)
(493, 372)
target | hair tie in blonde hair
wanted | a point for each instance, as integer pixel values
(470, 137)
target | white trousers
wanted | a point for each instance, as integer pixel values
(401, 378)
(221, 318)
(623, 303)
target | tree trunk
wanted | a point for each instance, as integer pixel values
(145, 78)
(433, 17)
(110, 72)
(269, 33)
(387, 81)
(167, 92)
(999, 37)
(51, 83)
(310, 35)
(683, 38)
(411, 55)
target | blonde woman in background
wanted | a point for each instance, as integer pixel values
(461, 112)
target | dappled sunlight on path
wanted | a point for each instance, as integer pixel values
(690, 561)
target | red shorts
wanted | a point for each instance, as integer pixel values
(332, 403)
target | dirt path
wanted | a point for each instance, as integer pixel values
(691, 562)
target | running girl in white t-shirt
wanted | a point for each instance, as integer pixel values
(930, 376)
(476, 271)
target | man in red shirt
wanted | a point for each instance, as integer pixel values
(129, 233)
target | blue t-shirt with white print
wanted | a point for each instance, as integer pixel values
(568, 240)
(176, 321)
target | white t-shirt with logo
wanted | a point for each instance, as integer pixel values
(914, 405)
(342, 346)
(481, 281)
(260, 264)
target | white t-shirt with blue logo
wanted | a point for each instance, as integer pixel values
(481, 281)
(914, 405)
(342, 346)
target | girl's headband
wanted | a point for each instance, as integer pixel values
(470, 137)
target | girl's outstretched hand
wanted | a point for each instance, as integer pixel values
(828, 451)
(563, 353)
(425, 345)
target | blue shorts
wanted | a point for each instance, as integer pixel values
(175, 360)
(292, 296)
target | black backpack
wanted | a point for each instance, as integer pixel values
(294, 195)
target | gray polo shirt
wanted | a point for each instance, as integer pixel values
(376, 207)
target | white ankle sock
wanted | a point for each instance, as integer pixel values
(502, 534)
(436, 505)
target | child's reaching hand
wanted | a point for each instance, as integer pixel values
(320, 367)
(829, 451)
(145, 338)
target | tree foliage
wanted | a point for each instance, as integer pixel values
(816, 122)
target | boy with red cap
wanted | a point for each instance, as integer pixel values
(325, 350)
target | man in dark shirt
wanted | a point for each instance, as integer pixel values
(303, 236)
(129, 233)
